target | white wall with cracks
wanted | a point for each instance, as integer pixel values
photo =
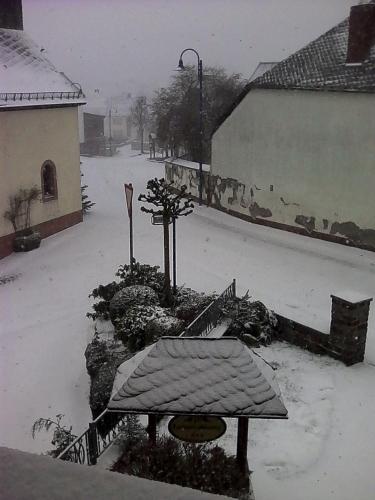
(300, 158)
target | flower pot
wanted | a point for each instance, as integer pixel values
(26, 240)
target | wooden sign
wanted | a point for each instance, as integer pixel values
(129, 197)
(157, 220)
(197, 429)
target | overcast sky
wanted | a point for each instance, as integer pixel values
(134, 45)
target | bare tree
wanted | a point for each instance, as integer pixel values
(175, 109)
(169, 206)
(140, 117)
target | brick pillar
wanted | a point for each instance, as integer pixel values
(348, 330)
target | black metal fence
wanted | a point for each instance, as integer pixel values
(87, 447)
(39, 96)
(209, 317)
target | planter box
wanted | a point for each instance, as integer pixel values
(26, 241)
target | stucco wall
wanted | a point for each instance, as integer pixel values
(28, 138)
(185, 173)
(300, 158)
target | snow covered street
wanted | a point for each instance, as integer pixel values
(326, 449)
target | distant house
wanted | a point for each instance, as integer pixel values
(104, 124)
(296, 150)
(39, 143)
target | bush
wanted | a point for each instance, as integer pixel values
(106, 293)
(128, 297)
(136, 328)
(252, 322)
(189, 303)
(143, 274)
(62, 436)
(201, 466)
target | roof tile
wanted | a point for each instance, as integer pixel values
(199, 376)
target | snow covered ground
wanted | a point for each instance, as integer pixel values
(326, 448)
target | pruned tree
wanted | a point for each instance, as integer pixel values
(169, 206)
(140, 117)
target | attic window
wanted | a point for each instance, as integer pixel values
(49, 182)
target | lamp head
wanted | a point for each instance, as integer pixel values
(181, 64)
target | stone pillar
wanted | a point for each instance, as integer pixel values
(348, 330)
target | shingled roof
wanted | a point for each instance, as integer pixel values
(27, 77)
(321, 65)
(199, 376)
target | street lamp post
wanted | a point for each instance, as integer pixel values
(200, 80)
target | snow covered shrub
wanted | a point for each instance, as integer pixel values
(131, 432)
(142, 274)
(62, 436)
(136, 328)
(189, 303)
(165, 325)
(102, 361)
(106, 293)
(130, 296)
(252, 322)
(201, 466)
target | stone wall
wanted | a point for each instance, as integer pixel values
(346, 340)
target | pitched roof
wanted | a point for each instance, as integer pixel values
(199, 376)
(24, 69)
(261, 69)
(321, 66)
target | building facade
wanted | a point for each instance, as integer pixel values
(297, 150)
(39, 140)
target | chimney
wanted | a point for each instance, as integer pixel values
(11, 14)
(361, 32)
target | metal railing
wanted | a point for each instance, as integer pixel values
(39, 96)
(87, 447)
(210, 317)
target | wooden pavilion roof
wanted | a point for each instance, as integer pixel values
(200, 376)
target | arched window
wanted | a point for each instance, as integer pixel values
(49, 183)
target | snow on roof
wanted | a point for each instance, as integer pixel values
(127, 367)
(24, 69)
(261, 69)
(25, 475)
(200, 376)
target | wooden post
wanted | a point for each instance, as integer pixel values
(243, 427)
(92, 444)
(152, 429)
(174, 256)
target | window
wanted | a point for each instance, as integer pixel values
(49, 184)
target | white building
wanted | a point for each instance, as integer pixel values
(39, 141)
(297, 150)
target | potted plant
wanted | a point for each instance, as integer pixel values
(26, 238)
